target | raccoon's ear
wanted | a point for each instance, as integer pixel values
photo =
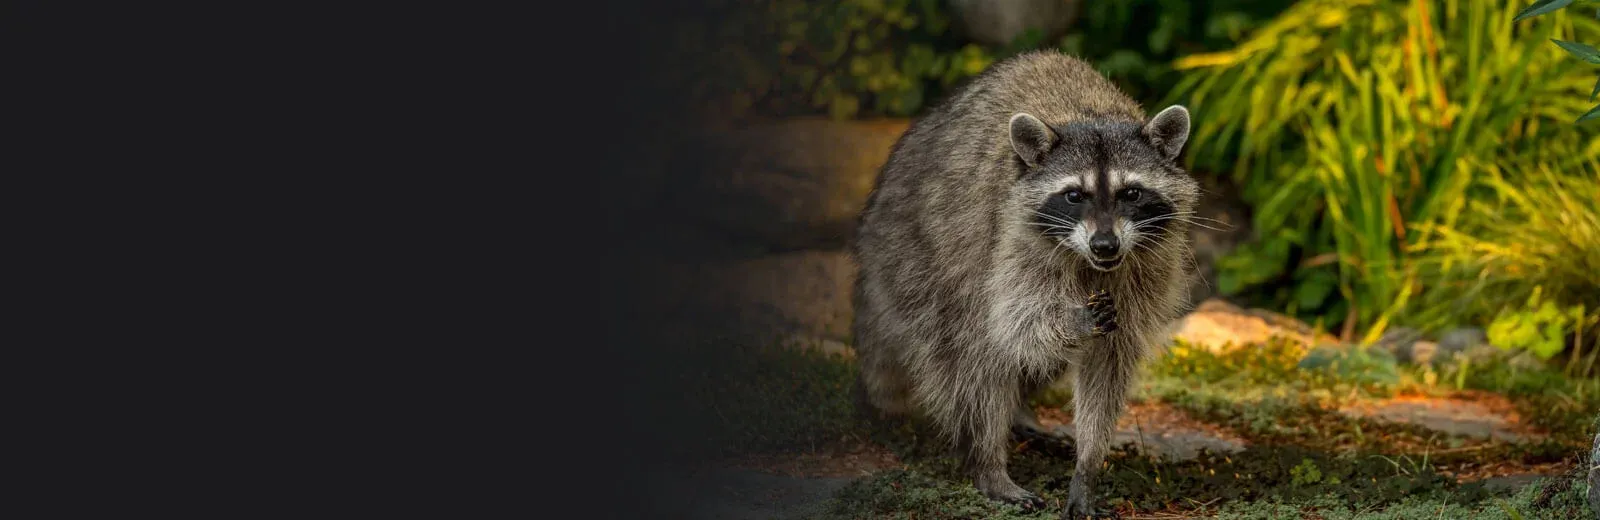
(1031, 138)
(1168, 130)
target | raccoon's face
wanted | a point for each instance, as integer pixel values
(1106, 191)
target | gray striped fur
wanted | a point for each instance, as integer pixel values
(965, 307)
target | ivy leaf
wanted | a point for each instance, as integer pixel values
(1593, 113)
(1541, 7)
(1587, 53)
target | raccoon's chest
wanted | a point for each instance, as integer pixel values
(1033, 315)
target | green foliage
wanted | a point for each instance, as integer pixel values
(856, 57)
(869, 58)
(1582, 51)
(1353, 126)
(1280, 391)
(1526, 237)
(1541, 7)
(1540, 328)
(1363, 366)
(1307, 474)
(1561, 405)
(1134, 41)
(1552, 499)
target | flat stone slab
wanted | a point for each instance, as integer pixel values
(1483, 418)
(1156, 429)
(1513, 482)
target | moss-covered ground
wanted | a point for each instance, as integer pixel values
(1302, 458)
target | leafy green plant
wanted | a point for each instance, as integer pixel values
(855, 57)
(1540, 328)
(870, 58)
(1306, 473)
(1134, 41)
(1582, 51)
(1354, 125)
(1521, 240)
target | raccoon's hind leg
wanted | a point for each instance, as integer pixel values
(1025, 423)
(979, 419)
(882, 388)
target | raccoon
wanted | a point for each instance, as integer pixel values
(1033, 225)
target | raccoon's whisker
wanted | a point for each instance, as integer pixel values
(1195, 214)
(1200, 225)
(1192, 216)
(1054, 218)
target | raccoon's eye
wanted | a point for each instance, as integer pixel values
(1074, 196)
(1130, 194)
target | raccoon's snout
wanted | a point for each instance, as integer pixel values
(1104, 245)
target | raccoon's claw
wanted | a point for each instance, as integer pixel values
(1102, 314)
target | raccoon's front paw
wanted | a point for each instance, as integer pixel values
(1102, 314)
(999, 487)
(1028, 501)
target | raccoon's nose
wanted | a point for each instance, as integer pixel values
(1103, 245)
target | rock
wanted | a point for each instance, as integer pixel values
(1594, 476)
(1424, 352)
(1453, 416)
(1175, 445)
(998, 22)
(788, 184)
(1217, 325)
(1400, 341)
(807, 292)
(1512, 483)
(1463, 340)
(1158, 430)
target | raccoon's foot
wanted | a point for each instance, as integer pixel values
(1102, 314)
(1079, 507)
(998, 486)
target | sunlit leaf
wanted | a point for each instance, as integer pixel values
(1593, 113)
(1541, 7)
(1585, 52)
